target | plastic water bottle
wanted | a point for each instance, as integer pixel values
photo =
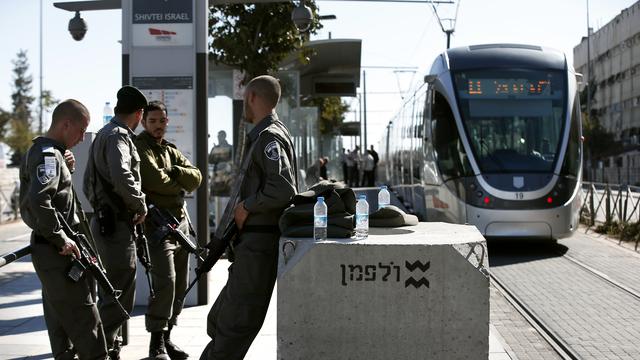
(362, 218)
(107, 113)
(384, 198)
(320, 220)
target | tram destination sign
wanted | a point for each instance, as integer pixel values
(493, 88)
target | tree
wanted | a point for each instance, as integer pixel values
(20, 134)
(332, 112)
(255, 38)
(5, 118)
(599, 142)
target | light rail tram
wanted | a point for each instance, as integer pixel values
(492, 137)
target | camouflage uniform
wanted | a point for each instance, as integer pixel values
(166, 176)
(112, 185)
(270, 182)
(69, 309)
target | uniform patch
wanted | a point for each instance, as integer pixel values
(43, 175)
(272, 150)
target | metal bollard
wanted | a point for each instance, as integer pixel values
(607, 213)
(592, 209)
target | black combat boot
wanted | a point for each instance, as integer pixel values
(175, 353)
(157, 351)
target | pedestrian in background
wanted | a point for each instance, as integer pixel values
(265, 190)
(345, 168)
(367, 169)
(70, 312)
(323, 168)
(376, 160)
(112, 185)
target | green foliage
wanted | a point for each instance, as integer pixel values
(255, 38)
(599, 142)
(613, 228)
(332, 112)
(21, 96)
(630, 232)
(20, 133)
(5, 117)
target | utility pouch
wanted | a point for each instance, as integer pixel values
(76, 270)
(106, 220)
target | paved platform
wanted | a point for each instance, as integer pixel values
(23, 333)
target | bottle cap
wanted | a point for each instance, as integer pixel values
(362, 197)
(320, 198)
(383, 187)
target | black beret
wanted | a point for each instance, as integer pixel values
(130, 100)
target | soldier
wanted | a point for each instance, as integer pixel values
(69, 310)
(268, 186)
(112, 185)
(166, 176)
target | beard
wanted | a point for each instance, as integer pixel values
(157, 134)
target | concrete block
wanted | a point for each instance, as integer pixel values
(418, 292)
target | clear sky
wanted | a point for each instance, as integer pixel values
(393, 34)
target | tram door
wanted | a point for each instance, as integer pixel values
(448, 201)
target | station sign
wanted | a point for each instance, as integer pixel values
(162, 23)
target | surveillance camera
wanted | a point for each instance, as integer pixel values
(302, 17)
(77, 27)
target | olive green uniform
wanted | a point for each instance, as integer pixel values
(112, 185)
(166, 176)
(269, 184)
(69, 309)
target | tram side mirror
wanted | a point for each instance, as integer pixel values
(429, 78)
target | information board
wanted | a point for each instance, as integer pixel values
(176, 92)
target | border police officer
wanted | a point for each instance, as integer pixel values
(112, 185)
(70, 313)
(269, 184)
(166, 176)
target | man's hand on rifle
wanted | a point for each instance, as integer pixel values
(139, 218)
(240, 214)
(69, 248)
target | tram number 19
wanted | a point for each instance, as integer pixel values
(519, 196)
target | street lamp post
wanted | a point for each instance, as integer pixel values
(40, 120)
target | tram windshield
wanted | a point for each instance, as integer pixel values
(513, 118)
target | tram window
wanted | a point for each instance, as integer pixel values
(572, 158)
(418, 154)
(513, 118)
(449, 149)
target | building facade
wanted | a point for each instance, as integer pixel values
(615, 87)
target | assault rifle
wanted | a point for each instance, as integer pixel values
(89, 261)
(216, 247)
(167, 225)
(142, 251)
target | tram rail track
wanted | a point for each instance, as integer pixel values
(550, 336)
(561, 347)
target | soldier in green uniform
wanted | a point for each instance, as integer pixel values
(268, 186)
(112, 185)
(167, 176)
(70, 312)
